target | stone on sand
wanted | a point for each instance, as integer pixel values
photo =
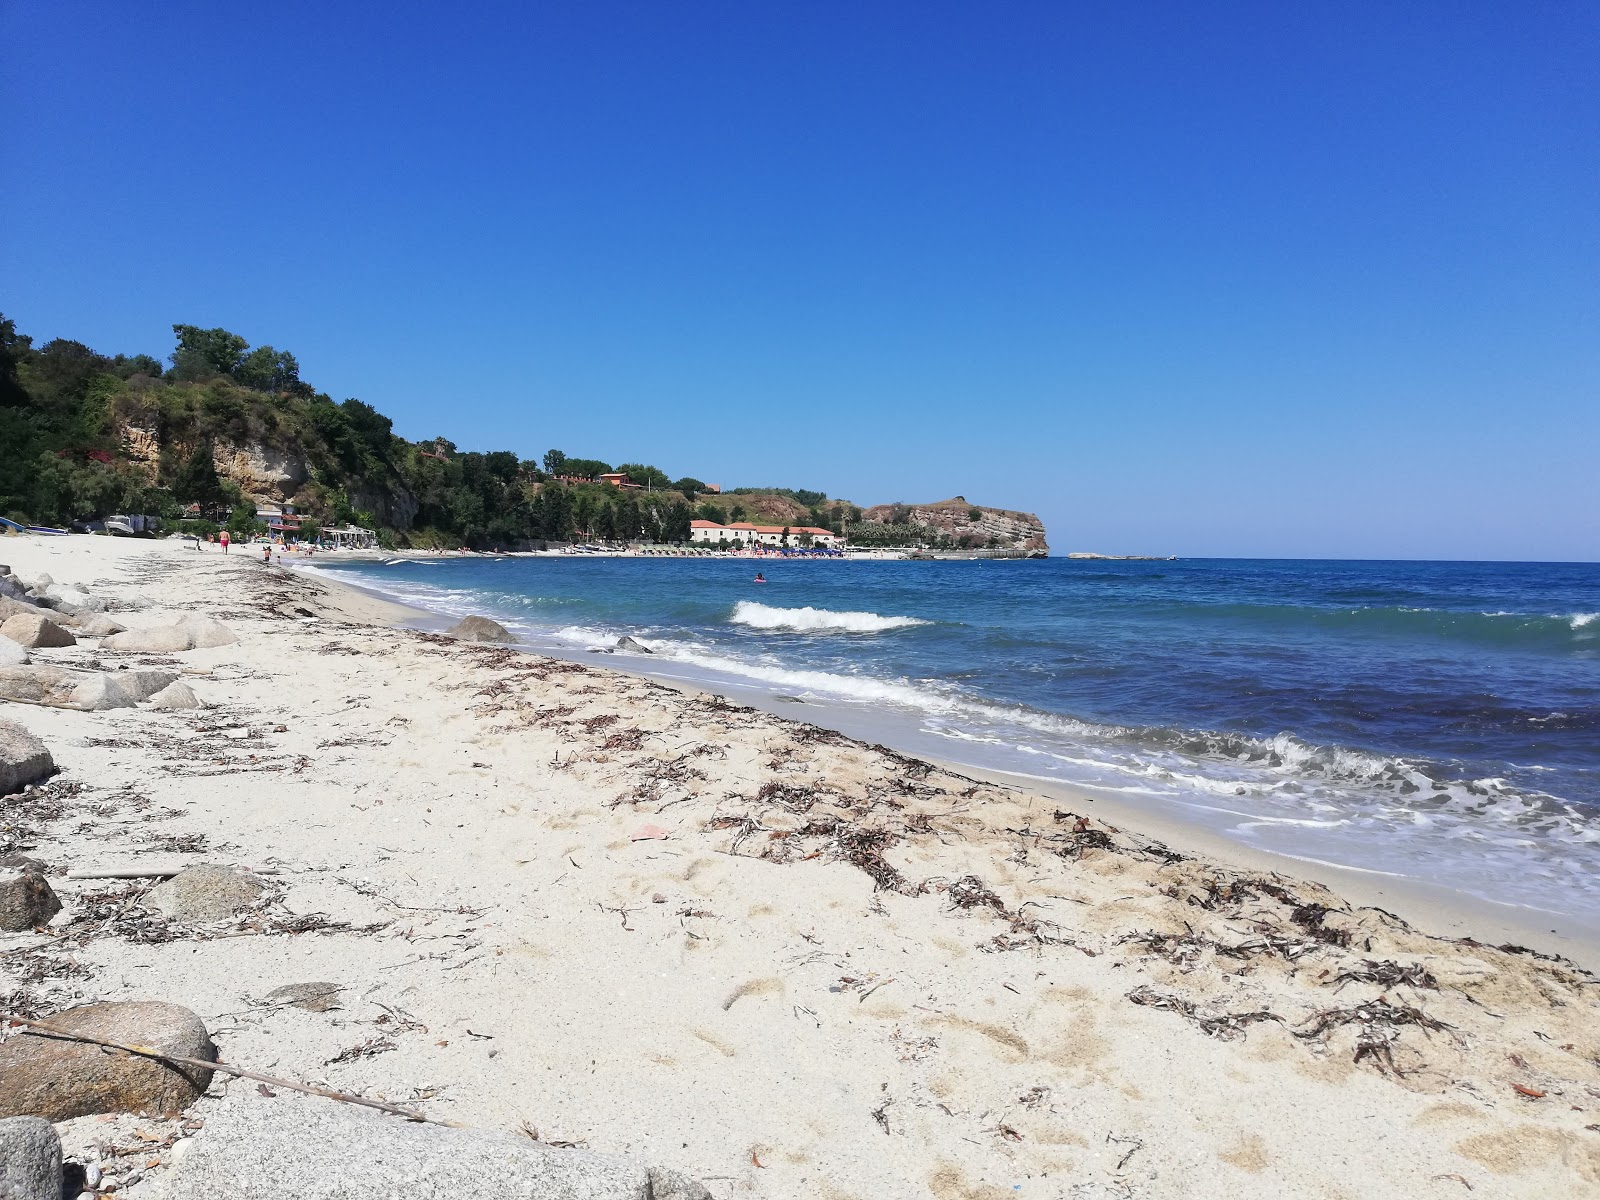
(30, 1159)
(175, 696)
(206, 632)
(286, 1149)
(11, 653)
(479, 629)
(36, 630)
(73, 599)
(26, 901)
(146, 683)
(161, 639)
(206, 893)
(23, 758)
(60, 1079)
(313, 997)
(99, 625)
(628, 643)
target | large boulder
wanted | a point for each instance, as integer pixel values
(36, 630)
(23, 758)
(190, 633)
(175, 697)
(12, 607)
(57, 687)
(26, 901)
(12, 588)
(479, 629)
(58, 1079)
(11, 653)
(30, 1159)
(161, 639)
(206, 632)
(289, 1149)
(73, 599)
(99, 625)
(146, 682)
(206, 893)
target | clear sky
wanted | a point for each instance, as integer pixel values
(1233, 279)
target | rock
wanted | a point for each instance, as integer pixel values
(59, 1079)
(10, 607)
(26, 901)
(206, 893)
(147, 682)
(30, 1159)
(174, 697)
(33, 630)
(102, 690)
(23, 758)
(479, 629)
(206, 632)
(99, 625)
(313, 997)
(11, 587)
(161, 639)
(73, 599)
(286, 1149)
(17, 861)
(11, 653)
(628, 643)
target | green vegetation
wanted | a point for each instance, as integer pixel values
(86, 435)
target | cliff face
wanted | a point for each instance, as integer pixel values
(971, 524)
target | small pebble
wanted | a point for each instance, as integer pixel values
(91, 1176)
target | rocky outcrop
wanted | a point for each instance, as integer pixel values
(288, 1149)
(58, 1079)
(262, 472)
(967, 524)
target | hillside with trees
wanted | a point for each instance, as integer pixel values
(218, 427)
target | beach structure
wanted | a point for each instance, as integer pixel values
(350, 537)
(280, 519)
(743, 532)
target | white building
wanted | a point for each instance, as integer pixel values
(709, 533)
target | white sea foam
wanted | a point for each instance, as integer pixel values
(1579, 620)
(816, 620)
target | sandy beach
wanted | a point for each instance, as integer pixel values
(608, 912)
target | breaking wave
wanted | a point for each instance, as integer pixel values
(816, 620)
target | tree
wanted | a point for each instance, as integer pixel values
(583, 510)
(268, 370)
(709, 512)
(646, 476)
(197, 482)
(555, 463)
(736, 513)
(690, 488)
(202, 353)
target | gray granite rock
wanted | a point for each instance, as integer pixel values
(174, 697)
(313, 997)
(27, 901)
(161, 639)
(35, 630)
(99, 625)
(206, 632)
(479, 629)
(23, 758)
(59, 1079)
(206, 893)
(30, 1159)
(12, 653)
(286, 1149)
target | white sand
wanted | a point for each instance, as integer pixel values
(738, 1000)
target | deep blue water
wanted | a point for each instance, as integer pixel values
(1437, 720)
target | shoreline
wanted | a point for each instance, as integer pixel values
(555, 896)
(1445, 910)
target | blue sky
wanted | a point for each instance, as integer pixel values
(1221, 279)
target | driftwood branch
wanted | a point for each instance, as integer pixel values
(149, 872)
(40, 1029)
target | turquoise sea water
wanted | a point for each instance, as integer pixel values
(1434, 720)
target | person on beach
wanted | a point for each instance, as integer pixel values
(223, 538)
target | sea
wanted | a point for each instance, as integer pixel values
(1431, 721)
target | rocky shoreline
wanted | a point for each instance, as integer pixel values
(643, 942)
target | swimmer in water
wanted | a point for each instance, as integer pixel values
(760, 578)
